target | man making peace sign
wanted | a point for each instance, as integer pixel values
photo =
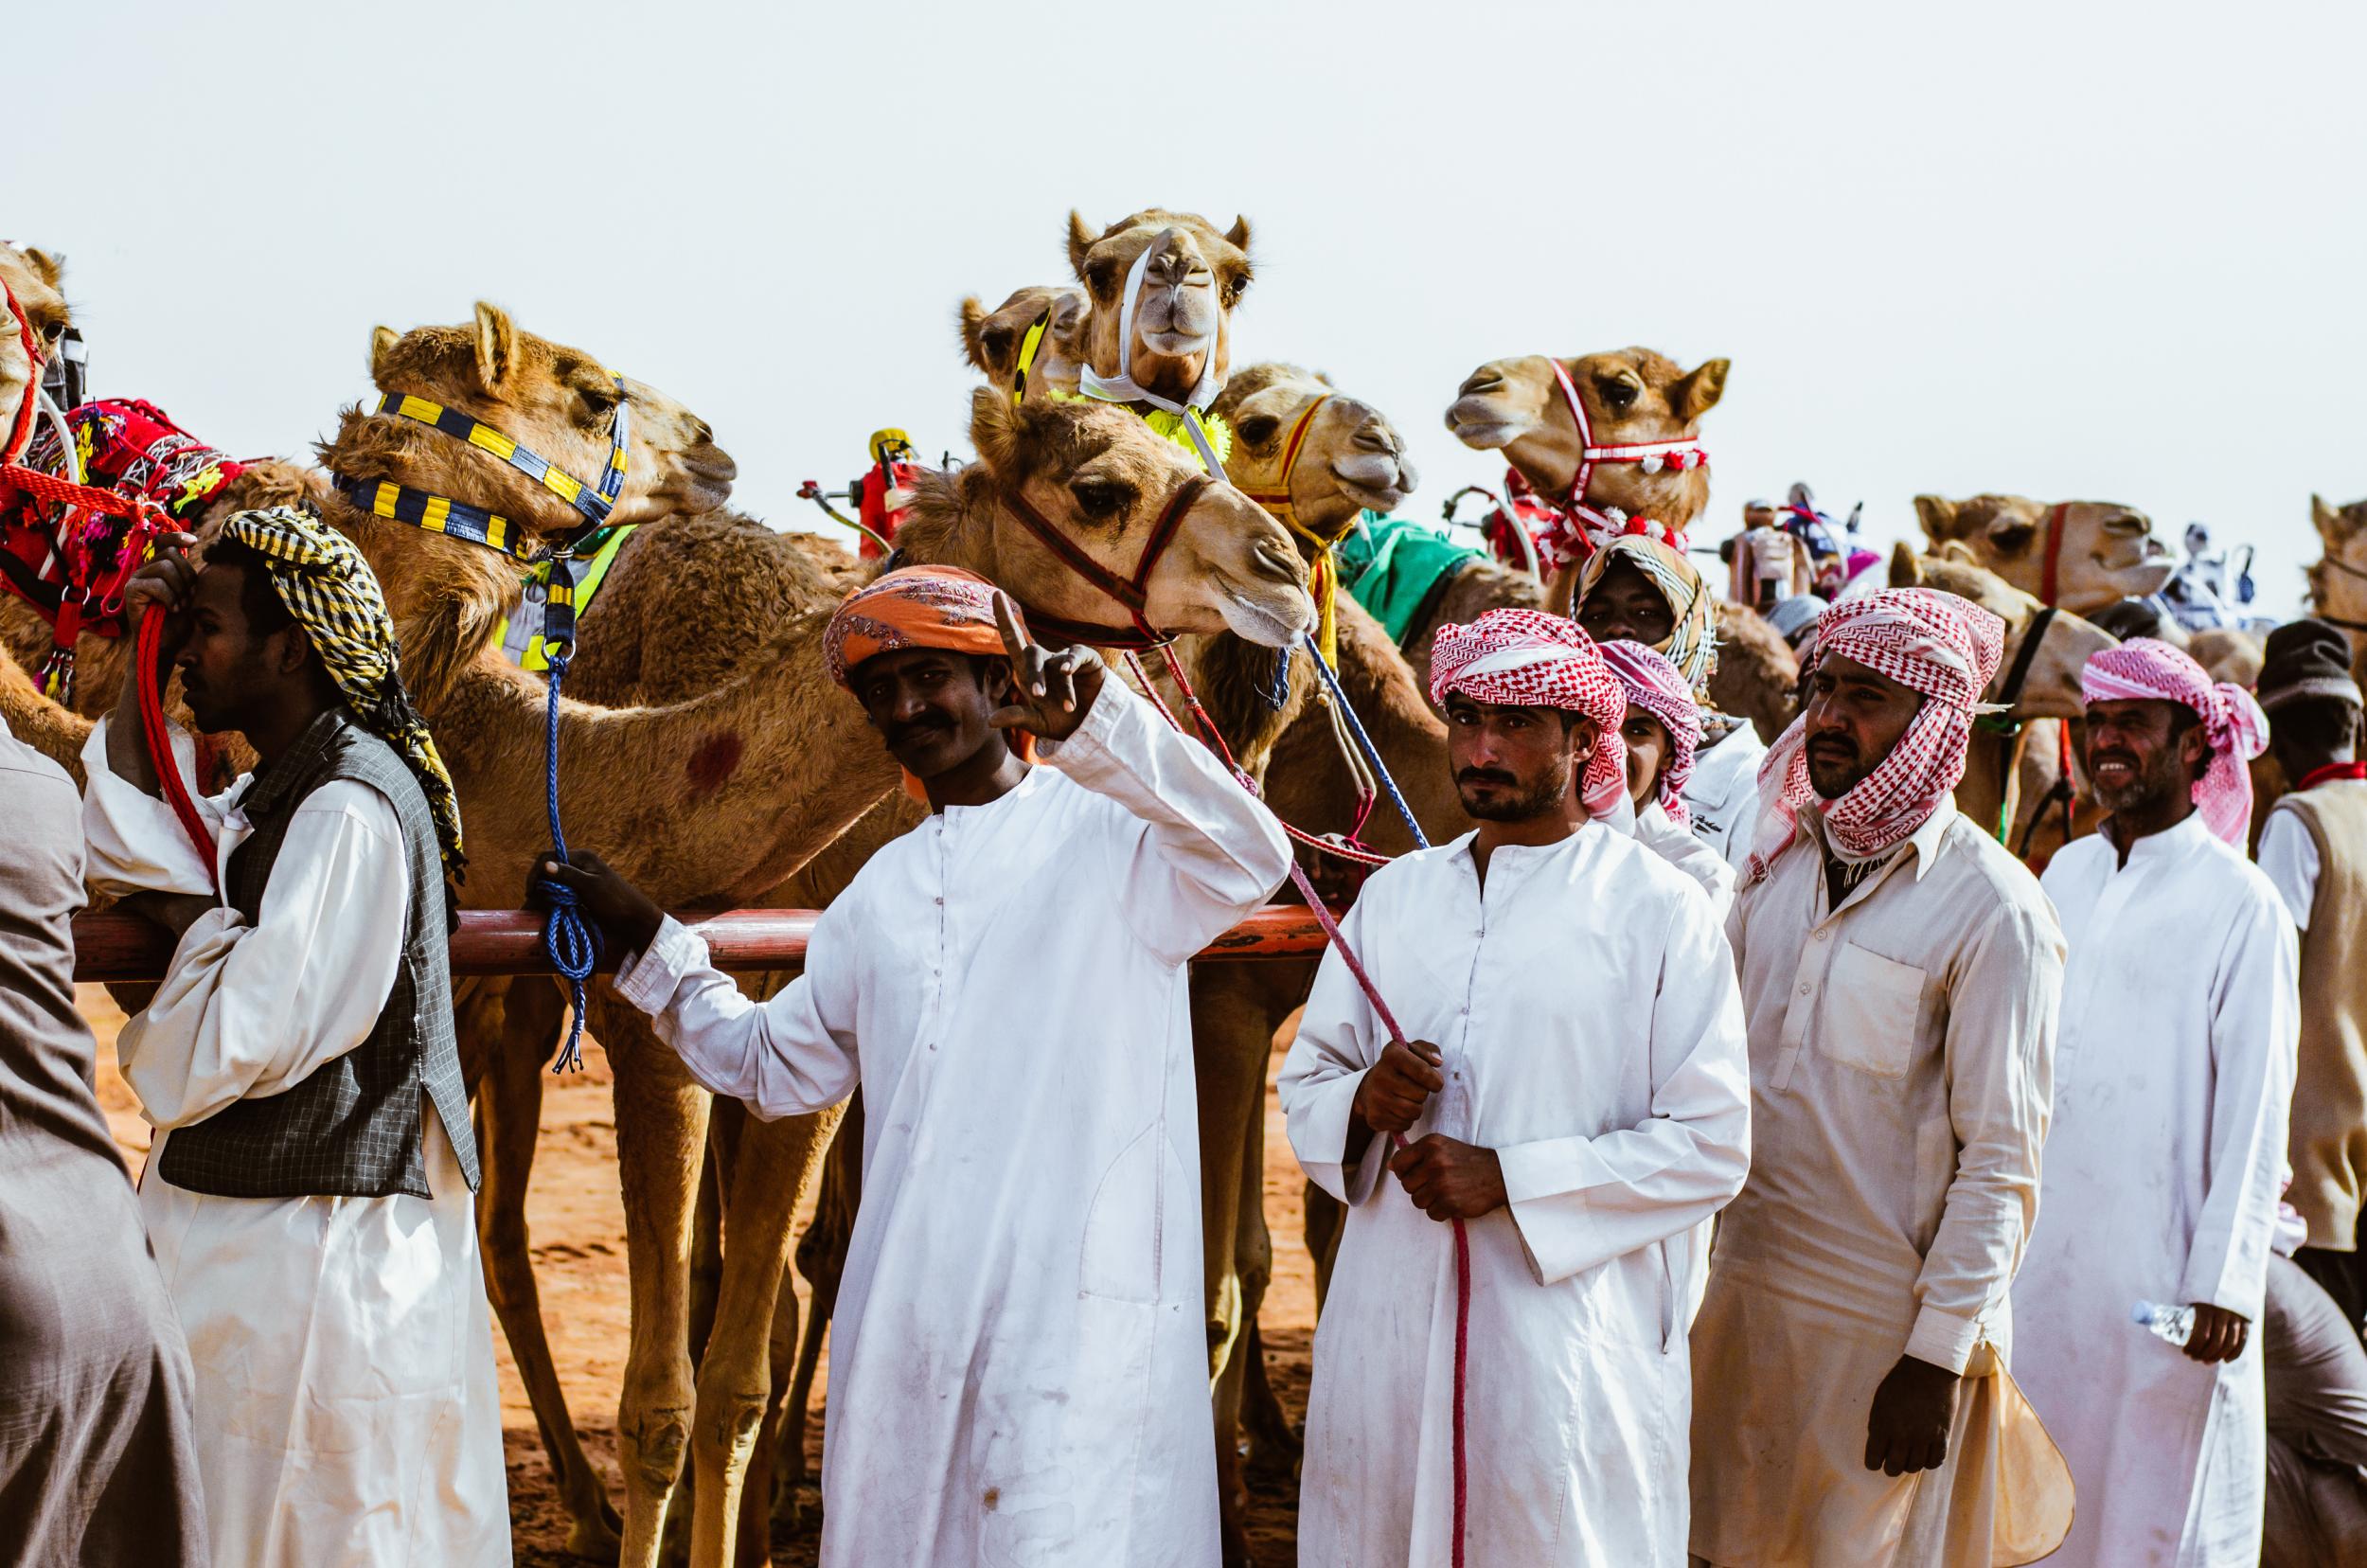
(1018, 1372)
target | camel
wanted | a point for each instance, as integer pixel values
(1182, 315)
(2085, 556)
(996, 340)
(2337, 582)
(1990, 792)
(1107, 477)
(1631, 394)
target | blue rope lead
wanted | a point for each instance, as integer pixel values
(1356, 726)
(574, 946)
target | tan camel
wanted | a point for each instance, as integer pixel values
(1989, 792)
(1182, 308)
(33, 279)
(1631, 396)
(2338, 581)
(2102, 552)
(1107, 477)
(995, 340)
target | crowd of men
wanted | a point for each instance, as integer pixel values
(1748, 1161)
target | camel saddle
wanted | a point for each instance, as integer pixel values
(70, 562)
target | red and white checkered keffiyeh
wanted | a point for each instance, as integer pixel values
(1526, 658)
(1655, 686)
(2144, 670)
(1944, 646)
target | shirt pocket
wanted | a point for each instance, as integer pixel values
(1124, 1223)
(1872, 1006)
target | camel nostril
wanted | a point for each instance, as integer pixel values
(1485, 381)
(1376, 440)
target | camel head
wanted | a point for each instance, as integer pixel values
(2337, 582)
(559, 401)
(2050, 689)
(992, 340)
(1631, 396)
(2107, 551)
(1351, 459)
(33, 277)
(1104, 480)
(1183, 306)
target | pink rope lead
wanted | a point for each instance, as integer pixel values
(1396, 1036)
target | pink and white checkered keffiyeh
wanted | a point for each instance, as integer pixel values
(2144, 670)
(1655, 686)
(1944, 646)
(1526, 658)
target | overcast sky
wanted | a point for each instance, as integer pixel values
(2095, 251)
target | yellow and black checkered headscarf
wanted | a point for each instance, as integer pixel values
(332, 594)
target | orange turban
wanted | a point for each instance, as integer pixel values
(914, 607)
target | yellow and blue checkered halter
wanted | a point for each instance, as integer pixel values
(332, 594)
(444, 515)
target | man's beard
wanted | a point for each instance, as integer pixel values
(2146, 785)
(1834, 775)
(1537, 800)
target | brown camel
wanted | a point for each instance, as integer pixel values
(2101, 552)
(1182, 315)
(1106, 477)
(2338, 581)
(1631, 394)
(1991, 790)
(995, 339)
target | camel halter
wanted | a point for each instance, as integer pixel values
(2345, 622)
(1677, 457)
(1122, 387)
(574, 946)
(444, 515)
(1132, 593)
(1323, 577)
(1027, 348)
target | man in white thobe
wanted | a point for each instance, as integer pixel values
(1899, 975)
(2173, 1081)
(1018, 1372)
(309, 1192)
(1584, 1107)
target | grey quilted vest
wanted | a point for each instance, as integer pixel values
(352, 1129)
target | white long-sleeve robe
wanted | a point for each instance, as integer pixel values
(347, 1411)
(2173, 1079)
(1901, 1052)
(1019, 1374)
(1586, 1008)
(1689, 854)
(1723, 793)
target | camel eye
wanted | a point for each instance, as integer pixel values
(1618, 393)
(1101, 276)
(1259, 429)
(1235, 288)
(1101, 499)
(599, 396)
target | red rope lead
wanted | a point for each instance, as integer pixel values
(1388, 1019)
(160, 742)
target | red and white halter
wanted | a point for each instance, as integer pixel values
(1677, 457)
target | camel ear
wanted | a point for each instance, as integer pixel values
(1906, 566)
(2329, 522)
(1697, 392)
(496, 346)
(1937, 514)
(383, 341)
(973, 317)
(1957, 550)
(994, 430)
(49, 266)
(1081, 240)
(1237, 236)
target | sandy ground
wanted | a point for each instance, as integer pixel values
(577, 1226)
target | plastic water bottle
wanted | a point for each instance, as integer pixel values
(2170, 1325)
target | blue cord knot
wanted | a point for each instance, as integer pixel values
(573, 943)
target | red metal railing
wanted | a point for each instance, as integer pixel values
(509, 941)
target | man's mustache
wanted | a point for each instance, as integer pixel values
(903, 733)
(1485, 775)
(1838, 748)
